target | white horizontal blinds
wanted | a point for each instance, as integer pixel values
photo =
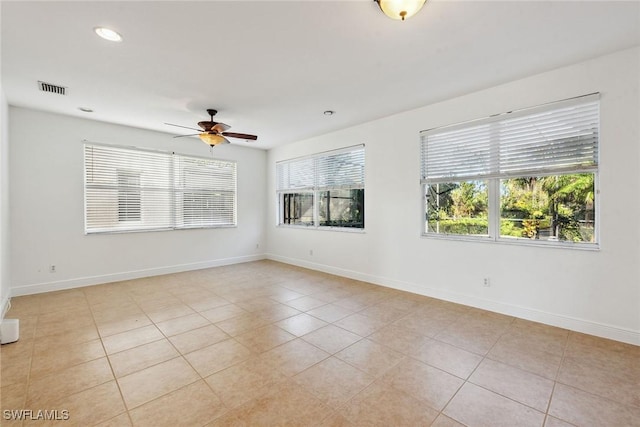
(205, 193)
(458, 154)
(557, 138)
(133, 190)
(296, 174)
(127, 190)
(560, 140)
(129, 196)
(344, 169)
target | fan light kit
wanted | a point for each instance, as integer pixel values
(214, 133)
(213, 139)
(400, 9)
(108, 34)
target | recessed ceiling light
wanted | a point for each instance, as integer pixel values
(329, 113)
(85, 109)
(108, 34)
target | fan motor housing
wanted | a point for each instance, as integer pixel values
(206, 126)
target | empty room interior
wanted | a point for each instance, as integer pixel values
(320, 213)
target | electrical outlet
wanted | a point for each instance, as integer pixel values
(486, 282)
(52, 268)
(311, 252)
(257, 245)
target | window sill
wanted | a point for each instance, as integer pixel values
(148, 230)
(321, 228)
(514, 242)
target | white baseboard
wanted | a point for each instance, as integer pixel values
(558, 320)
(59, 285)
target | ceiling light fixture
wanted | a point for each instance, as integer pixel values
(108, 34)
(213, 139)
(400, 9)
(329, 113)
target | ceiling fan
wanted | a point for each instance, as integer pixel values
(214, 133)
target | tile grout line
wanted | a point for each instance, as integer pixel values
(181, 355)
(555, 379)
(589, 392)
(373, 377)
(31, 354)
(405, 355)
(128, 410)
(115, 379)
(484, 357)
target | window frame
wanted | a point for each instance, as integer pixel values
(172, 215)
(494, 183)
(309, 175)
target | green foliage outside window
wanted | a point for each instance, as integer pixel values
(458, 208)
(560, 207)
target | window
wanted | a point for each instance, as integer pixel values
(528, 175)
(323, 190)
(133, 190)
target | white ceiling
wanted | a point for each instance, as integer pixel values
(272, 67)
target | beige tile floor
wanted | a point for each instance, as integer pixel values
(268, 344)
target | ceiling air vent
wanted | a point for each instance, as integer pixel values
(51, 88)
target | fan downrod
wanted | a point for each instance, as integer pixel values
(212, 112)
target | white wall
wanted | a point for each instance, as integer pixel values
(47, 208)
(597, 292)
(5, 264)
(5, 285)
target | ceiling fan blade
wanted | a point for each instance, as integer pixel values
(240, 135)
(220, 127)
(180, 126)
(191, 134)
